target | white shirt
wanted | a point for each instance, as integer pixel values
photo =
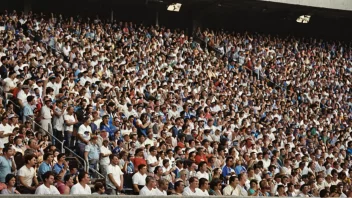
(69, 118)
(158, 192)
(83, 129)
(23, 97)
(145, 191)
(139, 179)
(10, 84)
(240, 191)
(204, 175)
(6, 129)
(78, 189)
(188, 192)
(43, 190)
(150, 160)
(27, 174)
(46, 113)
(116, 173)
(105, 160)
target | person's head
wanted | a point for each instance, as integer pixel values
(142, 168)
(324, 193)
(10, 180)
(150, 182)
(203, 184)
(202, 166)
(114, 160)
(215, 184)
(229, 161)
(99, 187)
(7, 151)
(281, 189)
(30, 160)
(193, 182)
(68, 179)
(48, 156)
(233, 181)
(242, 178)
(304, 188)
(83, 177)
(163, 184)
(61, 157)
(179, 186)
(48, 178)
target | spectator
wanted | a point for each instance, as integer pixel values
(114, 179)
(26, 175)
(10, 181)
(204, 186)
(240, 189)
(149, 188)
(46, 165)
(192, 189)
(61, 166)
(163, 185)
(105, 152)
(215, 187)
(139, 178)
(7, 163)
(64, 186)
(99, 189)
(47, 187)
(82, 187)
(92, 153)
(179, 187)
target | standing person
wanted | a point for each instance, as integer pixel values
(10, 181)
(69, 119)
(105, 153)
(7, 163)
(46, 113)
(240, 189)
(91, 154)
(82, 187)
(149, 188)
(26, 175)
(47, 187)
(83, 135)
(139, 177)
(114, 177)
(58, 122)
(28, 113)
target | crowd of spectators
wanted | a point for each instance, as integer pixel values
(157, 112)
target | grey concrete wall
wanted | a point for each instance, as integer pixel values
(331, 4)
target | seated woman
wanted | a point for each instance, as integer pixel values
(10, 182)
(215, 187)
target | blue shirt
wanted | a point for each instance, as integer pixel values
(43, 168)
(93, 151)
(5, 168)
(57, 168)
(226, 171)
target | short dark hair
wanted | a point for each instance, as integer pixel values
(60, 155)
(47, 174)
(98, 185)
(141, 166)
(81, 175)
(192, 179)
(30, 98)
(177, 184)
(46, 155)
(202, 181)
(29, 157)
(9, 177)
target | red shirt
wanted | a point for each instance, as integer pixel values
(200, 158)
(138, 161)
